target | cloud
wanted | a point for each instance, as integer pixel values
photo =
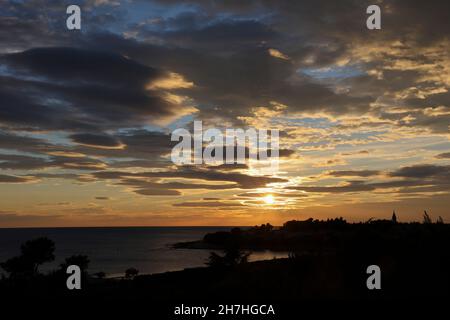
(423, 171)
(241, 180)
(75, 89)
(172, 81)
(208, 204)
(277, 54)
(148, 149)
(157, 192)
(73, 64)
(206, 32)
(98, 105)
(90, 209)
(445, 155)
(149, 183)
(354, 173)
(68, 176)
(274, 194)
(96, 140)
(20, 162)
(172, 185)
(12, 219)
(15, 179)
(10, 161)
(435, 177)
(353, 186)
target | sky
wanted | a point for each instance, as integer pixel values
(86, 115)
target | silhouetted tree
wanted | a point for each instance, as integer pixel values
(18, 266)
(38, 251)
(131, 273)
(426, 217)
(369, 220)
(79, 260)
(33, 254)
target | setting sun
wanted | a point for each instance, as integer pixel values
(269, 199)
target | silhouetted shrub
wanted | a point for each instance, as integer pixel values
(426, 218)
(232, 257)
(33, 254)
(18, 266)
(131, 273)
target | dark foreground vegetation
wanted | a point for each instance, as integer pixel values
(328, 260)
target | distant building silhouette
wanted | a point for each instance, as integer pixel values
(394, 217)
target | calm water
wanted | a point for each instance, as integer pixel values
(113, 250)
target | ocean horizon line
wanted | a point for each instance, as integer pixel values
(124, 227)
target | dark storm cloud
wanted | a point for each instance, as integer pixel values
(77, 65)
(256, 78)
(403, 17)
(75, 89)
(232, 85)
(22, 107)
(205, 32)
(423, 171)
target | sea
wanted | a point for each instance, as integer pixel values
(112, 250)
